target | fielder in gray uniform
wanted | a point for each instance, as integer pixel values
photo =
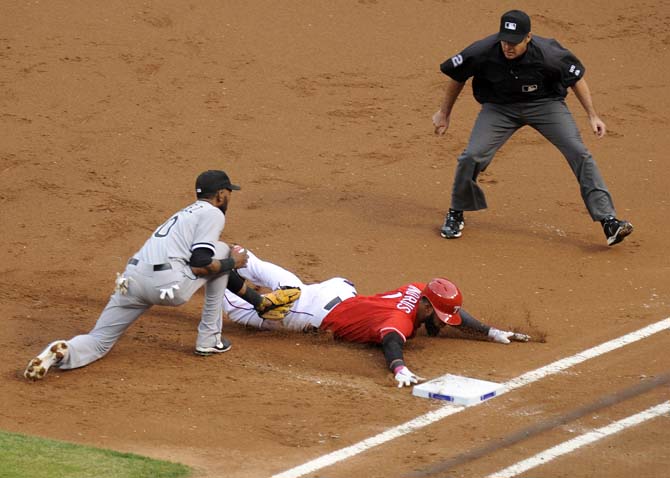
(520, 80)
(182, 255)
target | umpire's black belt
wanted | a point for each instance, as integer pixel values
(157, 267)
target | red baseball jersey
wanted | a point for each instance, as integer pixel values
(367, 319)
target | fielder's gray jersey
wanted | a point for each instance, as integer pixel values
(196, 226)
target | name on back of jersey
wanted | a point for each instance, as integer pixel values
(409, 300)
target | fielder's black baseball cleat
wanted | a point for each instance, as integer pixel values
(223, 346)
(453, 225)
(616, 230)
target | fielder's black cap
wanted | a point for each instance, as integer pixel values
(212, 181)
(514, 26)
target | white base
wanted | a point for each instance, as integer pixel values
(457, 389)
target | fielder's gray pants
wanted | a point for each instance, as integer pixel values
(552, 119)
(144, 291)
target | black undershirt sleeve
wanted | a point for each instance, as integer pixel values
(235, 282)
(201, 257)
(392, 344)
(469, 322)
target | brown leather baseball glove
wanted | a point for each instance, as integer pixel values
(277, 303)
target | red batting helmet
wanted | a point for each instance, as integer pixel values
(446, 300)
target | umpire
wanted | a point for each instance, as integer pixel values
(521, 79)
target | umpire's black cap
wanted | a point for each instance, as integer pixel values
(212, 181)
(514, 26)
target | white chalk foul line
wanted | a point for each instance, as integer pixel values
(446, 410)
(580, 441)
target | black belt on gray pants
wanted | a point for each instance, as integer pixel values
(157, 267)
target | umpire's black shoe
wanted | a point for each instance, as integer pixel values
(453, 225)
(222, 346)
(616, 230)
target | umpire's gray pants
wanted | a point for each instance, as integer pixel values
(552, 119)
(144, 291)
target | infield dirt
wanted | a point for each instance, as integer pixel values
(321, 111)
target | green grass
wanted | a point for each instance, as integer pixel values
(28, 457)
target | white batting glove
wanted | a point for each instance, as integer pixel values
(169, 292)
(406, 377)
(121, 284)
(505, 337)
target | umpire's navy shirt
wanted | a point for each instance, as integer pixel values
(545, 70)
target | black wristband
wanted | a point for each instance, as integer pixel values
(227, 265)
(395, 364)
(253, 297)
